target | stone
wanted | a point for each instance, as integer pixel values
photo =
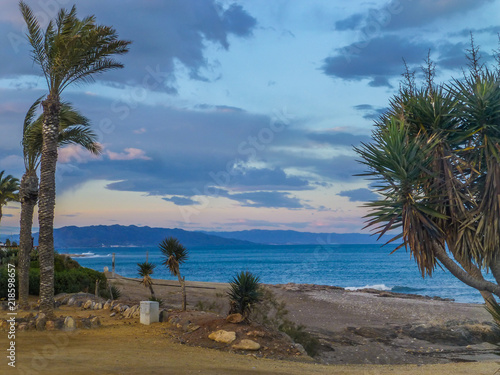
(225, 337)
(246, 344)
(163, 316)
(22, 327)
(88, 305)
(69, 323)
(50, 325)
(124, 307)
(40, 321)
(116, 307)
(191, 327)
(112, 314)
(71, 301)
(235, 318)
(150, 312)
(107, 305)
(95, 322)
(106, 269)
(256, 333)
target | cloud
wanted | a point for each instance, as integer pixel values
(129, 154)
(338, 138)
(359, 195)
(399, 15)
(379, 60)
(269, 224)
(370, 112)
(269, 199)
(75, 153)
(181, 201)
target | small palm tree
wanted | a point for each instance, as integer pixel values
(8, 190)
(244, 292)
(175, 254)
(145, 271)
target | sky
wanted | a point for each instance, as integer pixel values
(233, 115)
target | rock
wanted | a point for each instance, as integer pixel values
(107, 305)
(300, 348)
(88, 305)
(246, 344)
(225, 337)
(83, 323)
(256, 333)
(112, 314)
(22, 327)
(235, 318)
(69, 323)
(380, 334)
(163, 315)
(40, 322)
(137, 313)
(71, 301)
(95, 322)
(99, 306)
(106, 269)
(123, 308)
(50, 325)
(127, 313)
(191, 327)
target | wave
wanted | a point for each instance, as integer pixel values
(376, 286)
(406, 289)
(89, 255)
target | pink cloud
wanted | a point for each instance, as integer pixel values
(129, 154)
(140, 131)
(75, 153)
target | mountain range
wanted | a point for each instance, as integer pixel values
(119, 235)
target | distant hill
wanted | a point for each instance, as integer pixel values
(119, 235)
(290, 237)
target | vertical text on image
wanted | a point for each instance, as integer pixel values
(12, 307)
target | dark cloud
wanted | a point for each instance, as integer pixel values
(359, 195)
(181, 201)
(163, 32)
(465, 33)
(370, 112)
(404, 14)
(270, 224)
(378, 60)
(270, 199)
(267, 179)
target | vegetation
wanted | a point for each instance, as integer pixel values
(244, 293)
(435, 157)
(74, 128)
(8, 190)
(145, 271)
(70, 50)
(174, 255)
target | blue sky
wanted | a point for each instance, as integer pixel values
(233, 115)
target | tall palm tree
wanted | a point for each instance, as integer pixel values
(175, 254)
(8, 190)
(69, 51)
(74, 128)
(145, 271)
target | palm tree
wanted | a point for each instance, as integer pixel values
(69, 51)
(8, 188)
(175, 254)
(244, 292)
(145, 271)
(435, 157)
(74, 128)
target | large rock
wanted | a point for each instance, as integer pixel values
(163, 316)
(235, 318)
(246, 344)
(107, 305)
(95, 322)
(69, 323)
(225, 337)
(40, 321)
(88, 305)
(50, 325)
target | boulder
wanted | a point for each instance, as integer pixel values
(95, 322)
(40, 321)
(71, 301)
(246, 344)
(235, 318)
(107, 305)
(50, 325)
(256, 333)
(163, 315)
(225, 337)
(88, 305)
(69, 323)
(191, 327)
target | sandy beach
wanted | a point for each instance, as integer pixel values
(360, 333)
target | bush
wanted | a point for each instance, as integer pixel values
(243, 293)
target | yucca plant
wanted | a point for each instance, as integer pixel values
(9, 187)
(244, 292)
(145, 270)
(174, 255)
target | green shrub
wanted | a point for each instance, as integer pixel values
(243, 293)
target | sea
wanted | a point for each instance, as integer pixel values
(349, 266)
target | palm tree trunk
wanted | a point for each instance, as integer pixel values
(0, 213)
(28, 196)
(51, 107)
(182, 281)
(463, 276)
(152, 291)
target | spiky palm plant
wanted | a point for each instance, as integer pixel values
(9, 187)
(174, 255)
(145, 270)
(244, 292)
(70, 50)
(435, 156)
(74, 128)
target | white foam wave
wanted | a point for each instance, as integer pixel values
(376, 286)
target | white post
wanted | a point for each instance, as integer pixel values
(150, 312)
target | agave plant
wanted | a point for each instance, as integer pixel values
(145, 271)
(244, 292)
(174, 255)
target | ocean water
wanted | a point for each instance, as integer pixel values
(348, 266)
